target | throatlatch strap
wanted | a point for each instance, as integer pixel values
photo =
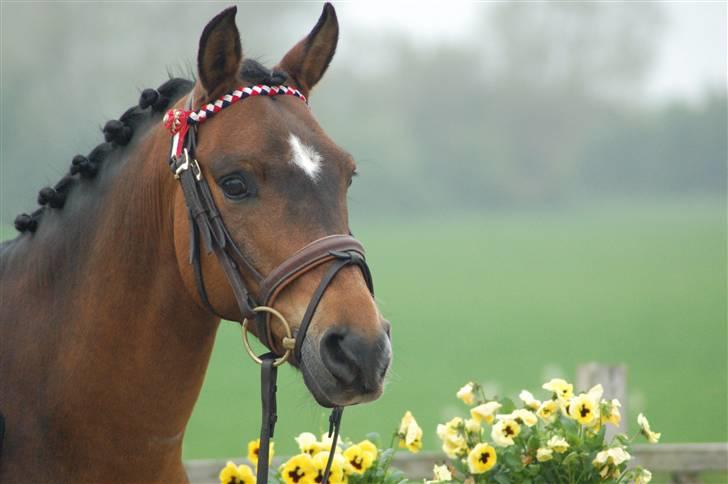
(268, 387)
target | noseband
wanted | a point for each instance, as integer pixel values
(339, 251)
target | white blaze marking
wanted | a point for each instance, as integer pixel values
(305, 157)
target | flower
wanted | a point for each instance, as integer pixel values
(547, 411)
(610, 412)
(583, 409)
(485, 412)
(524, 416)
(231, 474)
(561, 388)
(466, 393)
(357, 460)
(544, 454)
(652, 437)
(472, 426)
(254, 450)
(246, 474)
(326, 442)
(614, 456)
(441, 473)
(453, 442)
(558, 443)
(410, 434)
(504, 431)
(643, 476)
(368, 446)
(299, 469)
(308, 443)
(481, 459)
(527, 398)
(337, 475)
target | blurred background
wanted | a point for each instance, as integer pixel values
(542, 184)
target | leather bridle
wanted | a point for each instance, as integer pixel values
(207, 227)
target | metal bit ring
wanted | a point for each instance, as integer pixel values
(288, 341)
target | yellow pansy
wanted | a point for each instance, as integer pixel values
(466, 393)
(485, 412)
(547, 411)
(441, 473)
(246, 474)
(337, 474)
(524, 416)
(614, 456)
(232, 474)
(368, 446)
(472, 426)
(504, 431)
(299, 470)
(544, 454)
(254, 450)
(643, 476)
(357, 460)
(610, 412)
(308, 443)
(410, 434)
(583, 409)
(652, 437)
(527, 398)
(326, 441)
(453, 442)
(561, 388)
(229, 473)
(558, 443)
(481, 459)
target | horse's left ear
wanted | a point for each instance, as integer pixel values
(307, 61)
(220, 53)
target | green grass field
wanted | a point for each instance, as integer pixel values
(509, 300)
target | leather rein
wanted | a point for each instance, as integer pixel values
(208, 228)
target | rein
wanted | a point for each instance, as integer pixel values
(206, 225)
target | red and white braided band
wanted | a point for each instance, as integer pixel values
(178, 121)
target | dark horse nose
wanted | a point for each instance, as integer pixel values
(354, 360)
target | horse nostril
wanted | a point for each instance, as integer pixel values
(354, 360)
(336, 356)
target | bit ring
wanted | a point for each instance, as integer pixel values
(288, 341)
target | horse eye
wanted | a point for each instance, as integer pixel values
(234, 186)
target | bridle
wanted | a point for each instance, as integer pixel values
(206, 224)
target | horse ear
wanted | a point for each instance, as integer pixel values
(220, 53)
(307, 61)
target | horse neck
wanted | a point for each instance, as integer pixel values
(130, 347)
(153, 341)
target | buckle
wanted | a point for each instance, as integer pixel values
(186, 165)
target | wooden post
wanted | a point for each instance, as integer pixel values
(614, 380)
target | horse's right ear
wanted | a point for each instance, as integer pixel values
(220, 54)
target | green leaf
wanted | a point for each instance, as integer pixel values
(507, 405)
(571, 459)
(373, 437)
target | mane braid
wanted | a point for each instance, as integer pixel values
(117, 133)
(120, 132)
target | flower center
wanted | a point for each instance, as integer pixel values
(296, 475)
(356, 462)
(484, 457)
(584, 411)
(508, 430)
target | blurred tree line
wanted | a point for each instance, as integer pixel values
(541, 107)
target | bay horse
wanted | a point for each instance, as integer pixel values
(105, 335)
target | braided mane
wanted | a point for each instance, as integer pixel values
(119, 132)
